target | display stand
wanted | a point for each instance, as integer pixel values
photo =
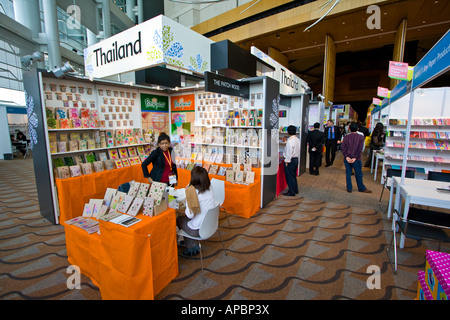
(127, 263)
(429, 148)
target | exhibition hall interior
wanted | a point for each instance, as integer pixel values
(223, 150)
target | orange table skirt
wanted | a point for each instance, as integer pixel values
(73, 193)
(127, 263)
(242, 200)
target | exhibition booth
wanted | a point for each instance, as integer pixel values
(225, 110)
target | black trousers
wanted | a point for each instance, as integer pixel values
(315, 161)
(290, 173)
(330, 152)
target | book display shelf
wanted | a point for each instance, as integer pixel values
(429, 137)
(91, 127)
(229, 137)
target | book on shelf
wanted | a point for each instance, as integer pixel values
(69, 161)
(59, 162)
(110, 164)
(75, 171)
(86, 168)
(90, 157)
(99, 166)
(63, 172)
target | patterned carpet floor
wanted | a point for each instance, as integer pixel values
(316, 246)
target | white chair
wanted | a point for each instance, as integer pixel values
(219, 195)
(207, 229)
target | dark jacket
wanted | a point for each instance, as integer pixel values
(337, 133)
(316, 139)
(159, 162)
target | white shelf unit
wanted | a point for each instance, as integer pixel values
(221, 127)
(429, 144)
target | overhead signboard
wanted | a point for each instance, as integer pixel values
(383, 92)
(398, 70)
(434, 63)
(154, 42)
(221, 84)
(181, 103)
(290, 83)
(153, 102)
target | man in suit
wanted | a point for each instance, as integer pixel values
(316, 139)
(332, 139)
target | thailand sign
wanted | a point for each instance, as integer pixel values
(290, 83)
(153, 42)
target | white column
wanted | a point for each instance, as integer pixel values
(106, 19)
(26, 12)
(52, 32)
(130, 10)
(91, 38)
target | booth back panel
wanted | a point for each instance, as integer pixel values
(38, 140)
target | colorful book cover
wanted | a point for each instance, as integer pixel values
(118, 163)
(113, 154)
(64, 123)
(90, 157)
(69, 161)
(148, 207)
(110, 164)
(87, 168)
(98, 166)
(132, 151)
(431, 144)
(59, 162)
(63, 172)
(126, 162)
(123, 153)
(137, 160)
(75, 171)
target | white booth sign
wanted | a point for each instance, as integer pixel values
(290, 83)
(156, 41)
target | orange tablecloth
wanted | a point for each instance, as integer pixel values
(240, 199)
(127, 263)
(73, 193)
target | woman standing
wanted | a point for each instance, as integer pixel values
(164, 169)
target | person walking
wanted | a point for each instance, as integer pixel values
(351, 148)
(291, 156)
(316, 140)
(332, 139)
